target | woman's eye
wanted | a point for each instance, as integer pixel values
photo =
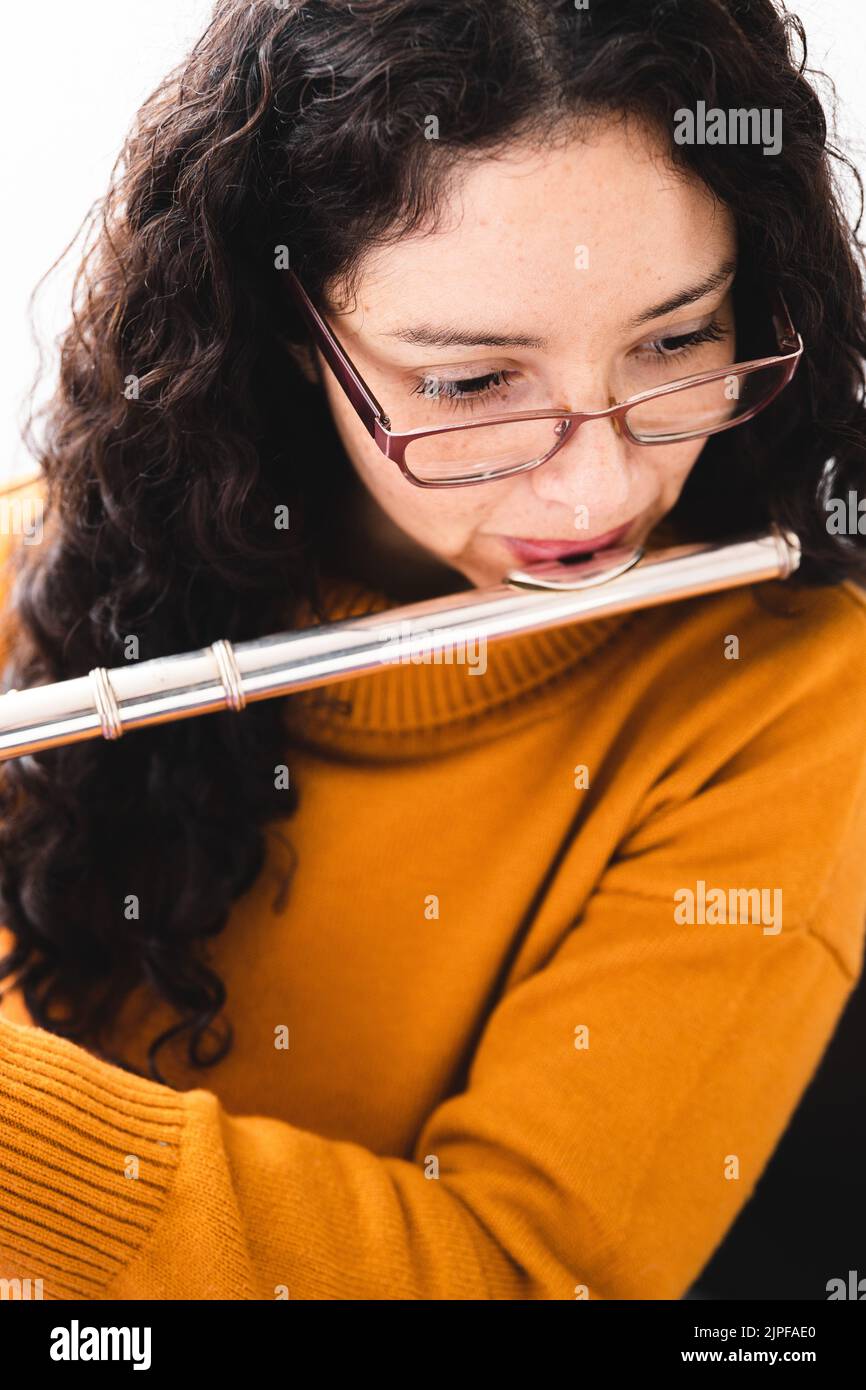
(678, 345)
(464, 391)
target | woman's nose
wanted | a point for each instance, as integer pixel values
(590, 469)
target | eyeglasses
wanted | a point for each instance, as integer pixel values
(505, 443)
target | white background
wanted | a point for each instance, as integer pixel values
(99, 59)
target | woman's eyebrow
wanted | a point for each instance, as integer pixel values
(428, 335)
(424, 335)
(687, 296)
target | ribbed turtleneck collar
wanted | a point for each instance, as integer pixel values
(412, 710)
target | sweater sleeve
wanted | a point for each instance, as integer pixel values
(621, 1102)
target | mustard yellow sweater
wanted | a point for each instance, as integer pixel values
(518, 1030)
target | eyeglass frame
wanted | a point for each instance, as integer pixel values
(394, 443)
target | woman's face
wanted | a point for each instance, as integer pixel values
(547, 286)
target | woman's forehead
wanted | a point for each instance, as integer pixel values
(541, 232)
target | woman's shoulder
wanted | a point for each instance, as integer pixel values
(825, 623)
(853, 597)
(773, 662)
(828, 621)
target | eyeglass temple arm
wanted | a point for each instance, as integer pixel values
(365, 403)
(786, 333)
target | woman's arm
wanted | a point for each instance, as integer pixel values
(614, 1165)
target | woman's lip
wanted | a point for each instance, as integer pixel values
(527, 550)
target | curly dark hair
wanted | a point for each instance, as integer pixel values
(302, 125)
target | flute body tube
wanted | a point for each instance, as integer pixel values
(107, 703)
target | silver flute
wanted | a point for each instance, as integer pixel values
(106, 703)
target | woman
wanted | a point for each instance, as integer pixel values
(407, 987)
